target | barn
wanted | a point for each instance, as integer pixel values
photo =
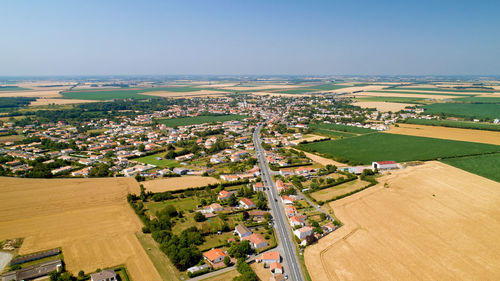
(384, 165)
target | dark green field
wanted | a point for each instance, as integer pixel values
(185, 121)
(380, 146)
(487, 166)
(393, 99)
(106, 94)
(342, 128)
(12, 88)
(472, 110)
(421, 93)
(479, 99)
(455, 124)
(471, 90)
(324, 87)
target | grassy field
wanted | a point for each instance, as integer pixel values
(483, 165)
(188, 203)
(106, 94)
(229, 275)
(465, 110)
(12, 89)
(479, 99)
(185, 121)
(11, 138)
(455, 124)
(422, 93)
(381, 146)
(341, 189)
(342, 128)
(160, 261)
(162, 162)
(392, 99)
(444, 89)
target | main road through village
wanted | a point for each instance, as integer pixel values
(286, 245)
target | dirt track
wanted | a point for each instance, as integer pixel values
(434, 222)
(481, 136)
(88, 218)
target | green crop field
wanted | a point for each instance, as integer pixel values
(455, 124)
(185, 121)
(152, 159)
(421, 93)
(479, 99)
(106, 94)
(483, 165)
(472, 110)
(341, 128)
(469, 90)
(12, 88)
(324, 87)
(393, 99)
(380, 146)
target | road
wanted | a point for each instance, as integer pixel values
(287, 246)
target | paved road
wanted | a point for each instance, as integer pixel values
(283, 231)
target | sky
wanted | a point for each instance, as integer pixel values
(249, 37)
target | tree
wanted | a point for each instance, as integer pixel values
(244, 216)
(199, 217)
(227, 260)
(141, 147)
(232, 201)
(261, 204)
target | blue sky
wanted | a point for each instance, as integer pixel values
(249, 37)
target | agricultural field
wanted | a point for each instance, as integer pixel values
(472, 110)
(51, 213)
(177, 183)
(400, 148)
(477, 99)
(450, 89)
(341, 189)
(391, 99)
(12, 88)
(186, 121)
(158, 160)
(311, 89)
(383, 106)
(382, 225)
(228, 275)
(424, 93)
(322, 160)
(336, 128)
(483, 165)
(107, 94)
(469, 135)
(455, 124)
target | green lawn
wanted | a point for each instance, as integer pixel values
(381, 146)
(215, 240)
(185, 121)
(188, 203)
(483, 165)
(161, 262)
(472, 110)
(455, 124)
(162, 163)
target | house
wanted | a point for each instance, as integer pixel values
(357, 170)
(242, 231)
(214, 255)
(384, 165)
(184, 157)
(256, 241)
(229, 177)
(327, 228)
(33, 271)
(180, 171)
(303, 232)
(257, 215)
(247, 203)
(105, 275)
(216, 207)
(297, 220)
(287, 200)
(304, 171)
(286, 172)
(258, 187)
(290, 210)
(269, 257)
(276, 268)
(223, 195)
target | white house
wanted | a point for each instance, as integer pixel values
(384, 165)
(242, 231)
(303, 232)
(246, 203)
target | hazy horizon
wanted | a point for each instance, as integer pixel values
(126, 38)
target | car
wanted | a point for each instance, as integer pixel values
(286, 277)
(275, 200)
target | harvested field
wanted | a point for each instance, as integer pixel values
(169, 184)
(434, 222)
(383, 106)
(168, 94)
(271, 94)
(322, 160)
(309, 138)
(38, 93)
(263, 273)
(470, 135)
(396, 94)
(47, 101)
(89, 219)
(341, 189)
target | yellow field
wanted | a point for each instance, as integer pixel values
(322, 160)
(481, 136)
(169, 184)
(35, 93)
(395, 94)
(433, 222)
(383, 106)
(88, 218)
(47, 101)
(341, 189)
(229, 275)
(264, 274)
(184, 94)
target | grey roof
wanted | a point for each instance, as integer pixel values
(107, 273)
(242, 229)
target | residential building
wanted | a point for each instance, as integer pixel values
(256, 241)
(246, 203)
(105, 275)
(242, 231)
(303, 232)
(214, 256)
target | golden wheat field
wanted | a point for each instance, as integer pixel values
(481, 136)
(383, 106)
(89, 219)
(432, 222)
(170, 184)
